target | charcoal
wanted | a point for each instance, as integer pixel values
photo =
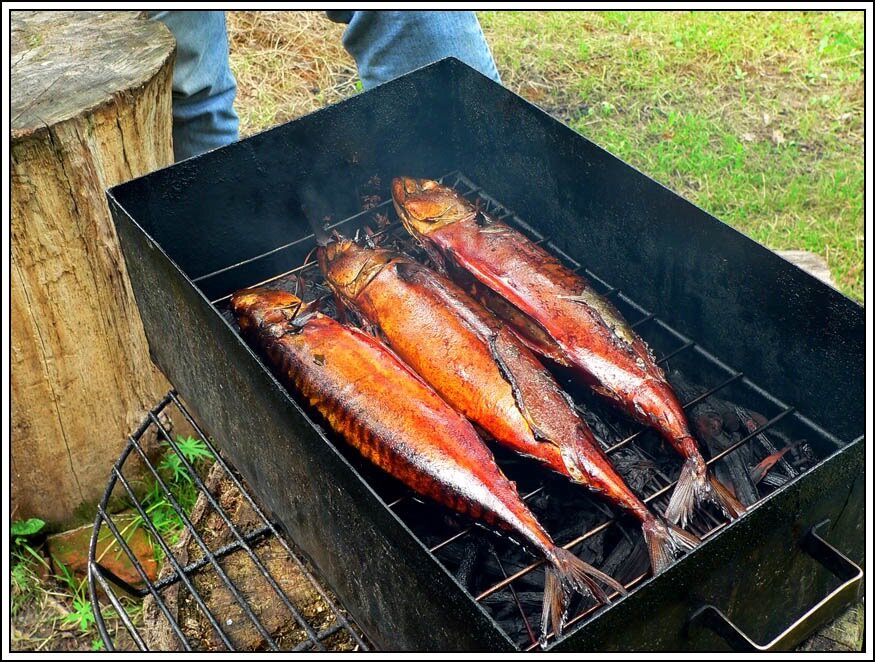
(774, 479)
(471, 551)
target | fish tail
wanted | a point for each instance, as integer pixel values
(724, 499)
(568, 573)
(695, 487)
(665, 542)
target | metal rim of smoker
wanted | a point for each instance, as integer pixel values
(100, 577)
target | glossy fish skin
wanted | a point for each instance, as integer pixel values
(484, 371)
(586, 331)
(394, 419)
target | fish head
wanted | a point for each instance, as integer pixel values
(349, 268)
(262, 307)
(424, 205)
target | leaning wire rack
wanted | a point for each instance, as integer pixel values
(203, 586)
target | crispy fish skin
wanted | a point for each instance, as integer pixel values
(580, 329)
(394, 419)
(485, 372)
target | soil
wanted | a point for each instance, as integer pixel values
(255, 590)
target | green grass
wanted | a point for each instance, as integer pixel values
(71, 621)
(757, 117)
(158, 507)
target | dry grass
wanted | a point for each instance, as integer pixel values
(287, 64)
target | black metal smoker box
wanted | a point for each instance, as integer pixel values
(780, 339)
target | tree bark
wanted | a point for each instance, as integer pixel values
(90, 108)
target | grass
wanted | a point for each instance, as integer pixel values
(176, 476)
(757, 117)
(287, 64)
(54, 612)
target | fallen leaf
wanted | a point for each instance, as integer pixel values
(747, 137)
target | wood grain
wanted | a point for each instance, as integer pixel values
(91, 107)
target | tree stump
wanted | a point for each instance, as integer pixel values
(90, 108)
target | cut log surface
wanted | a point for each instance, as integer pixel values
(90, 108)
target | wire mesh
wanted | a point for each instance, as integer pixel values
(765, 424)
(306, 618)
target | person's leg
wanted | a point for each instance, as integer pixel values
(203, 85)
(387, 44)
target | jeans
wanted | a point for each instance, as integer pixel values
(388, 44)
(384, 44)
(203, 85)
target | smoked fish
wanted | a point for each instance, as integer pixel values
(558, 314)
(376, 403)
(485, 372)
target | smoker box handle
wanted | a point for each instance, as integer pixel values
(824, 611)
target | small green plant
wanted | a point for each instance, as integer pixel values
(157, 503)
(24, 583)
(22, 530)
(194, 450)
(24, 559)
(81, 612)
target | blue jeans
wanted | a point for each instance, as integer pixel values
(384, 44)
(388, 44)
(203, 85)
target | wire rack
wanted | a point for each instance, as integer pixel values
(320, 624)
(761, 434)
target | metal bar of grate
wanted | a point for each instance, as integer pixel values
(729, 379)
(468, 529)
(255, 536)
(95, 575)
(337, 614)
(242, 543)
(100, 577)
(173, 578)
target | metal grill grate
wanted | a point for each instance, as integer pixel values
(767, 425)
(307, 635)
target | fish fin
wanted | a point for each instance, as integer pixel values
(760, 470)
(296, 315)
(724, 499)
(569, 573)
(554, 606)
(306, 312)
(507, 360)
(340, 307)
(437, 259)
(536, 393)
(665, 542)
(696, 486)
